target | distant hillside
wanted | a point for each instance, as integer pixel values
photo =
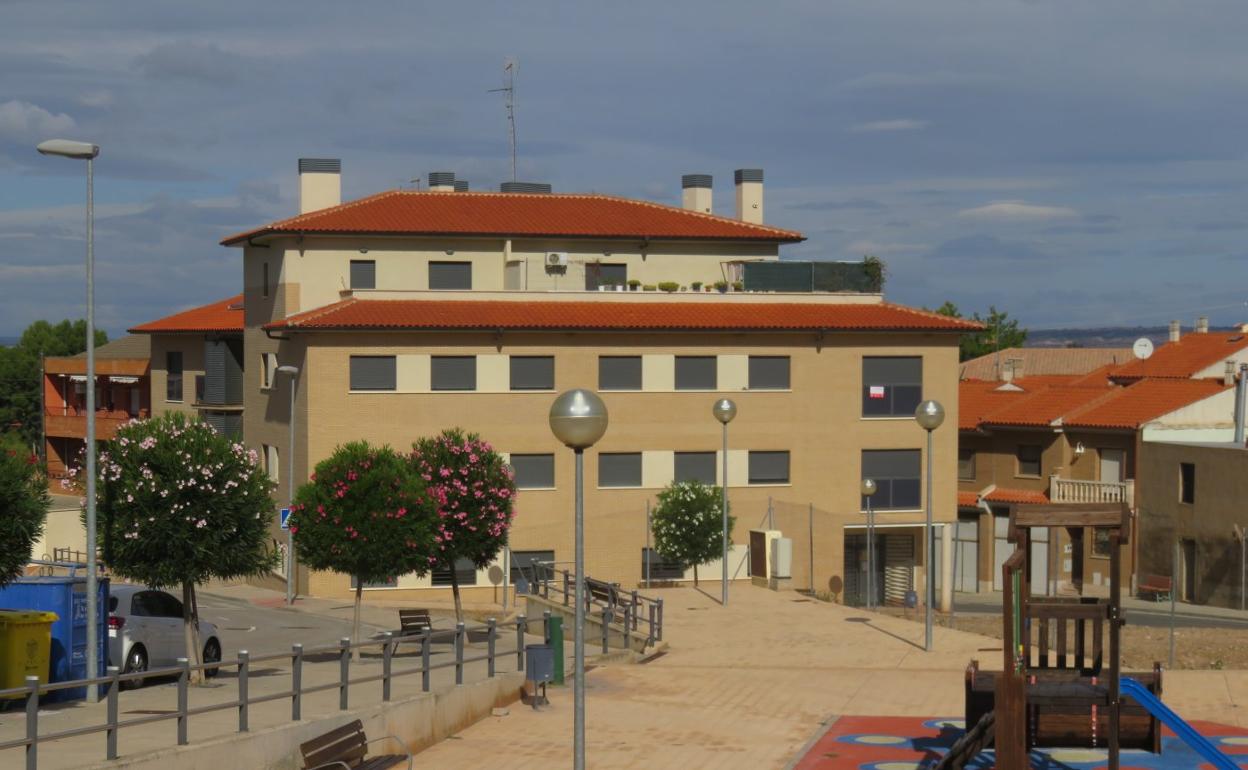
(1102, 337)
(7, 341)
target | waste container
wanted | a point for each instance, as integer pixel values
(25, 639)
(67, 597)
(539, 663)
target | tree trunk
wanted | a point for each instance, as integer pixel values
(695, 576)
(355, 621)
(459, 607)
(190, 631)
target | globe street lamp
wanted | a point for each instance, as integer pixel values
(65, 148)
(868, 489)
(293, 371)
(724, 410)
(929, 415)
(578, 418)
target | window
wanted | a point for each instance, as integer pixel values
(200, 384)
(271, 465)
(534, 471)
(892, 386)
(966, 464)
(155, 604)
(769, 467)
(619, 372)
(695, 373)
(1029, 459)
(897, 478)
(465, 574)
(695, 466)
(619, 469)
(173, 370)
(453, 372)
(599, 274)
(1100, 542)
(769, 372)
(450, 275)
(530, 565)
(264, 281)
(373, 373)
(363, 274)
(268, 370)
(660, 567)
(390, 582)
(1187, 483)
(532, 372)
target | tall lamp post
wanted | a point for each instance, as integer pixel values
(868, 489)
(929, 415)
(578, 418)
(293, 371)
(724, 410)
(65, 148)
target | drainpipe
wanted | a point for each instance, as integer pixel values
(1240, 386)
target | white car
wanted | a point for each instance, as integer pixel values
(145, 631)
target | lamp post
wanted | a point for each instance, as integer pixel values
(578, 418)
(724, 410)
(293, 371)
(929, 415)
(65, 148)
(868, 489)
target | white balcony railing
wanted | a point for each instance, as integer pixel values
(1077, 491)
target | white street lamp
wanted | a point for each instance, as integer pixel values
(578, 418)
(724, 410)
(86, 151)
(929, 415)
(293, 371)
(868, 489)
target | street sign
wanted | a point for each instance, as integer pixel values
(285, 516)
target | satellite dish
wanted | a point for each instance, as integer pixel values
(1143, 348)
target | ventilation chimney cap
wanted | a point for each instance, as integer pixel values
(695, 180)
(320, 166)
(747, 175)
(525, 187)
(1202, 324)
(441, 178)
(461, 185)
(1175, 331)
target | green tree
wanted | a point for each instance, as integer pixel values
(479, 493)
(19, 371)
(23, 506)
(1000, 332)
(365, 514)
(179, 504)
(688, 524)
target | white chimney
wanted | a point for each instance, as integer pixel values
(749, 194)
(1202, 325)
(1228, 376)
(1175, 331)
(695, 192)
(441, 181)
(320, 183)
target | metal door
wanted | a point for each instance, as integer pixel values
(899, 564)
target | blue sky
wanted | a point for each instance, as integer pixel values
(1074, 163)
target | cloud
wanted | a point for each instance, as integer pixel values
(99, 98)
(22, 121)
(199, 62)
(1017, 210)
(978, 247)
(888, 126)
(875, 80)
(853, 204)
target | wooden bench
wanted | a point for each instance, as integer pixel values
(1158, 586)
(414, 622)
(347, 748)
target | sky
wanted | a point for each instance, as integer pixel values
(1073, 163)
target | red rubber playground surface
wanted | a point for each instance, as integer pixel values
(908, 743)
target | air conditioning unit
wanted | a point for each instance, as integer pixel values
(557, 259)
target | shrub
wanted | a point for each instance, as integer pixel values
(688, 524)
(668, 286)
(24, 504)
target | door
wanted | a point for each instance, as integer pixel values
(899, 562)
(1039, 561)
(966, 555)
(1113, 463)
(1001, 548)
(1189, 570)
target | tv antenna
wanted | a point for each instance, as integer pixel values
(510, 66)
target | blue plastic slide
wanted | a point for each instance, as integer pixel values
(1202, 745)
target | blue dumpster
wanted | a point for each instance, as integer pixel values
(67, 597)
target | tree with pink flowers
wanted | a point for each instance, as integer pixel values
(478, 494)
(365, 514)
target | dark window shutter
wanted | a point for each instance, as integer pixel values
(453, 372)
(363, 274)
(769, 467)
(769, 372)
(619, 372)
(892, 386)
(695, 466)
(373, 373)
(450, 275)
(532, 372)
(534, 471)
(695, 373)
(619, 469)
(214, 372)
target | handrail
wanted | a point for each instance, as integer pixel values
(630, 608)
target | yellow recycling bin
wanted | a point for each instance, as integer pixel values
(25, 644)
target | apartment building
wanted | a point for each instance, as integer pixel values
(408, 312)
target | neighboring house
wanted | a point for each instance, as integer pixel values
(1029, 362)
(1200, 355)
(409, 312)
(197, 363)
(121, 394)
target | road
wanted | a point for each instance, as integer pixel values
(1138, 613)
(261, 630)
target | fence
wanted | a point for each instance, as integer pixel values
(629, 609)
(245, 700)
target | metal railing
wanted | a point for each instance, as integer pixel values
(113, 724)
(627, 610)
(1078, 491)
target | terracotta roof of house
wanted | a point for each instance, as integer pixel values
(980, 400)
(968, 499)
(1044, 361)
(222, 316)
(409, 212)
(134, 347)
(1187, 357)
(1012, 495)
(1140, 402)
(1042, 408)
(354, 313)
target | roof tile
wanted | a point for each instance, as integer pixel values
(222, 316)
(1012, 495)
(1145, 400)
(1186, 357)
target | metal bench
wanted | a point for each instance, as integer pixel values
(414, 622)
(1158, 586)
(346, 747)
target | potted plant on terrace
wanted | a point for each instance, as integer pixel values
(696, 285)
(721, 286)
(633, 284)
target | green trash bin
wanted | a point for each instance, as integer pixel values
(25, 646)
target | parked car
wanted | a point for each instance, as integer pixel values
(145, 631)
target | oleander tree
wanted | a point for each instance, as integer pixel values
(178, 504)
(688, 524)
(479, 492)
(24, 505)
(365, 514)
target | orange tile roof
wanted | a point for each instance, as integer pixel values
(1044, 361)
(408, 212)
(1187, 357)
(713, 314)
(1145, 400)
(981, 400)
(1041, 409)
(968, 499)
(1011, 495)
(222, 316)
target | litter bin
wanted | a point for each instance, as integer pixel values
(66, 597)
(539, 662)
(25, 640)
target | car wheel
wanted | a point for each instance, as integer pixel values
(212, 654)
(136, 662)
